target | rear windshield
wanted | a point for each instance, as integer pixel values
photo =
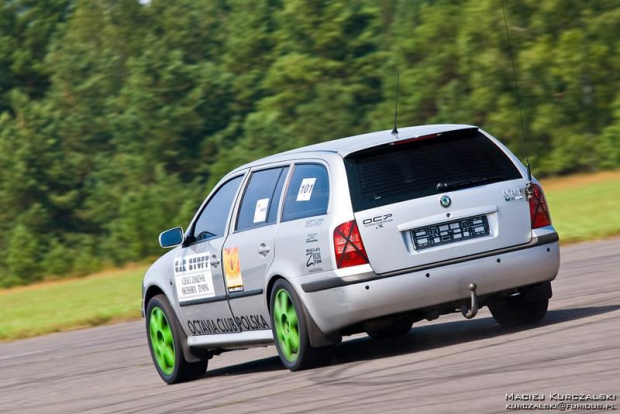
(451, 161)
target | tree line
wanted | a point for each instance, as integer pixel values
(116, 117)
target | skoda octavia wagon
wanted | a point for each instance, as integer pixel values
(370, 233)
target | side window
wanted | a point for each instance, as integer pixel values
(262, 196)
(308, 192)
(212, 221)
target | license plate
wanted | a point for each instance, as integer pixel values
(450, 232)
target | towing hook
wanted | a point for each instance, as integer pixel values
(473, 308)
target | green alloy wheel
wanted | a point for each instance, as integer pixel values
(287, 325)
(290, 330)
(165, 338)
(162, 340)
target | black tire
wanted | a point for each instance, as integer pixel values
(391, 329)
(514, 311)
(179, 370)
(304, 356)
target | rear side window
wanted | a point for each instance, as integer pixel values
(451, 161)
(262, 196)
(308, 192)
(212, 220)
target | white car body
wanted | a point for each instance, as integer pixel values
(400, 277)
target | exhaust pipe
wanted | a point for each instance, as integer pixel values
(473, 307)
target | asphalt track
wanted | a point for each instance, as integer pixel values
(448, 365)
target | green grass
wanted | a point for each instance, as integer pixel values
(582, 207)
(58, 306)
(586, 212)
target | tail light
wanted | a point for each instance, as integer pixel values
(348, 245)
(539, 212)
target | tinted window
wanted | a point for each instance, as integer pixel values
(308, 192)
(212, 220)
(261, 195)
(451, 161)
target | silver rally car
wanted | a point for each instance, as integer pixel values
(369, 233)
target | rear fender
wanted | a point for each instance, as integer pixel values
(317, 337)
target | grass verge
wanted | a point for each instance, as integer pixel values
(583, 207)
(71, 304)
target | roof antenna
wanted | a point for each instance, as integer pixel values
(528, 185)
(395, 130)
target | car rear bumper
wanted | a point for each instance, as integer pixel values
(335, 302)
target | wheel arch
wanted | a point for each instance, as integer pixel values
(272, 281)
(150, 293)
(190, 354)
(317, 337)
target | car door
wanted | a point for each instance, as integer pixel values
(249, 249)
(199, 277)
(304, 237)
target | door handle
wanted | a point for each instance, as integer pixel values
(214, 261)
(263, 249)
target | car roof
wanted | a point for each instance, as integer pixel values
(346, 146)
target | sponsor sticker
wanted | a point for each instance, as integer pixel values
(313, 257)
(314, 222)
(378, 221)
(312, 238)
(260, 213)
(193, 278)
(513, 194)
(305, 189)
(232, 269)
(220, 325)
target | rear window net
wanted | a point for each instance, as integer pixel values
(403, 171)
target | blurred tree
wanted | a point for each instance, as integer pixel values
(26, 29)
(116, 117)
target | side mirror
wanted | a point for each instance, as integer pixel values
(171, 238)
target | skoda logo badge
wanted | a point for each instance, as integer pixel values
(445, 201)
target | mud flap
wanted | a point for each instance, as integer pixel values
(317, 337)
(190, 354)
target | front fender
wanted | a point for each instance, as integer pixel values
(159, 278)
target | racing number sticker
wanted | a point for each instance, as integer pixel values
(260, 213)
(232, 269)
(192, 274)
(305, 189)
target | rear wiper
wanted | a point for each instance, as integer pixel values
(469, 182)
